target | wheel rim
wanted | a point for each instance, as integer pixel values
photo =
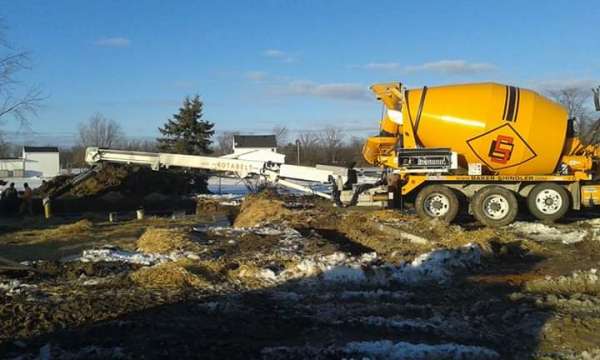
(437, 205)
(548, 201)
(496, 207)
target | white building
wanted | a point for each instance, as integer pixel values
(41, 161)
(246, 143)
(256, 147)
(11, 167)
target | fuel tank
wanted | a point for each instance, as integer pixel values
(509, 130)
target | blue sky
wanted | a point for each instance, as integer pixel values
(301, 64)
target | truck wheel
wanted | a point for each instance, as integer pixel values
(437, 202)
(494, 206)
(548, 201)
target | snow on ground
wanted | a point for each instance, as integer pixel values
(345, 295)
(542, 232)
(33, 182)
(224, 199)
(116, 255)
(584, 281)
(436, 266)
(386, 349)
(225, 185)
(14, 287)
(291, 240)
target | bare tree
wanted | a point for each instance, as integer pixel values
(139, 145)
(330, 146)
(332, 139)
(308, 139)
(224, 143)
(15, 100)
(72, 157)
(100, 131)
(310, 148)
(281, 133)
(575, 100)
(4, 146)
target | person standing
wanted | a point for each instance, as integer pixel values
(10, 199)
(26, 200)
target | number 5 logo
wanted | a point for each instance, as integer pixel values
(501, 149)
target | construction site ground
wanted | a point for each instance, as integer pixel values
(288, 277)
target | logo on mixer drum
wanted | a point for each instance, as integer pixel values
(501, 148)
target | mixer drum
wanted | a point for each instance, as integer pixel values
(509, 130)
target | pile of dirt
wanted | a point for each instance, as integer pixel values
(127, 180)
(62, 233)
(50, 185)
(392, 236)
(78, 227)
(171, 275)
(165, 240)
(266, 206)
(269, 206)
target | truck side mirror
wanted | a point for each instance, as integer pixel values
(597, 98)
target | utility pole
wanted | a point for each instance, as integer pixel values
(298, 150)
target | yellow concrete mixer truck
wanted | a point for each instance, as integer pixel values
(487, 145)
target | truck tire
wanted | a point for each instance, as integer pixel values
(548, 201)
(494, 206)
(437, 202)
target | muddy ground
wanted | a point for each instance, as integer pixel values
(292, 278)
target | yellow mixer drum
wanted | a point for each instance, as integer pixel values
(509, 130)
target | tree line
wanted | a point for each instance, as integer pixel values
(186, 132)
(330, 145)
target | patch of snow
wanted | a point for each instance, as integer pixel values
(373, 295)
(383, 350)
(220, 196)
(14, 287)
(414, 238)
(48, 352)
(290, 239)
(439, 265)
(543, 232)
(436, 266)
(45, 352)
(115, 255)
(286, 296)
(402, 324)
(91, 282)
(386, 349)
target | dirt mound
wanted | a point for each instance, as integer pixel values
(384, 232)
(173, 275)
(272, 207)
(126, 180)
(65, 232)
(262, 207)
(163, 240)
(50, 185)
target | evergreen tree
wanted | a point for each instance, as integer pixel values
(187, 132)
